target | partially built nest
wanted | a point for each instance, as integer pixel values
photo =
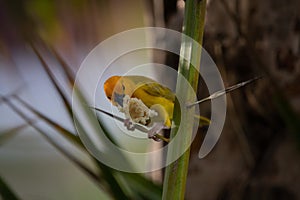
(135, 110)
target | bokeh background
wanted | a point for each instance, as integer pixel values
(258, 154)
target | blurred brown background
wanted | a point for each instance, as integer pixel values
(258, 154)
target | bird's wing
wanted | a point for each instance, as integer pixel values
(157, 90)
(148, 86)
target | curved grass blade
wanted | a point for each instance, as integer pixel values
(65, 67)
(9, 134)
(108, 173)
(53, 80)
(78, 163)
(66, 133)
(6, 192)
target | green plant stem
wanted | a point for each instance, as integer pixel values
(176, 173)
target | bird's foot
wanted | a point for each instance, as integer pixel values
(129, 125)
(157, 127)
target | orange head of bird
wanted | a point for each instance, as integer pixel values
(113, 90)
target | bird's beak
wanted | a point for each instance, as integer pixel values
(118, 98)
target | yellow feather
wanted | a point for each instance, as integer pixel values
(147, 90)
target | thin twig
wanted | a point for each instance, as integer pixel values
(223, 92)
(136, 125)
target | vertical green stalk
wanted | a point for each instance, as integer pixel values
(193, 26)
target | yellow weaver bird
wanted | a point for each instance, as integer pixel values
(154, 95)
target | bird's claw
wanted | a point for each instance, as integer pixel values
(155, 138)
(152, 133)
(157, 127)
(129, 125)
